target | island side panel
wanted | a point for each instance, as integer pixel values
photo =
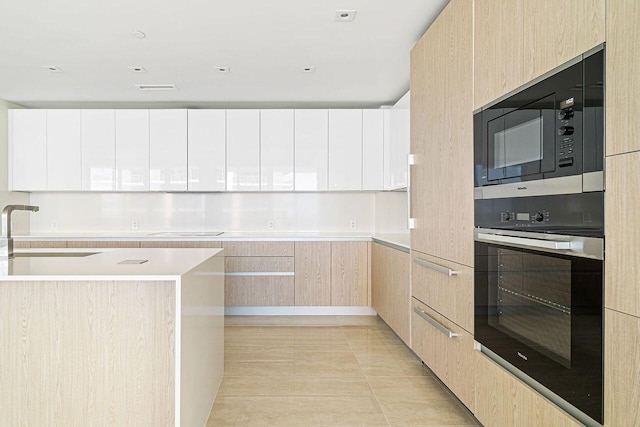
(201, 339)
(87, 353)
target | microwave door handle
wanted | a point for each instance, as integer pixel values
(523, 241)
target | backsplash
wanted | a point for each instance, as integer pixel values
(302, 212)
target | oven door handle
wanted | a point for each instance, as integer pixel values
(434, 323)
(523, 241)
(437, 267)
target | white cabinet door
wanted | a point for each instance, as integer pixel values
(388, 143)
(168, 150)
(243, 150)
(345, 149)
(132, 150)
(64, 148)
(28, 150)
(400, 128)
(276, 150)
(311, 149)
(98, 150)
(207, 150)
(372, 149)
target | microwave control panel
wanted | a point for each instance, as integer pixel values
(566, 129)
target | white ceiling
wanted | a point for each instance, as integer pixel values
(265, 42)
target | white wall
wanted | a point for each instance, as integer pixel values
(115, 212)
(20, 219)
(391, 212)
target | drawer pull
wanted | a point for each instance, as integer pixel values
(434, 323)
(436, 267)
(260, 273)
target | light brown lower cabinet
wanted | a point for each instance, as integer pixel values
(349, 273)
(390, 291)
(446, 348)
(445, 286)
(313, 273)
(502, 400)
(621, 369)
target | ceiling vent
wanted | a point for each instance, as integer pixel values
(309, 69)
(345, 15)
(157, 87)
(52, 68)
(223, 70)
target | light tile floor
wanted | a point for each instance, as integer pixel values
(326, 371)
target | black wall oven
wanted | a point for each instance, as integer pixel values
(538, 294)
(553, 129)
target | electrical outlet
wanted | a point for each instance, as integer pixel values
(270, 225)
(134, 224)
(353, 224)
(54, 224)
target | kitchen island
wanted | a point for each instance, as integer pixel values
(111, 336)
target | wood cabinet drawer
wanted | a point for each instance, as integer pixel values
(258, 248)
(449, 295)
(258, 291)
(258, 264)
(179, 244)
(103, 244)
(48, 244)
(446, 349)
(501, 399)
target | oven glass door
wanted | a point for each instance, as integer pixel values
(522, 142)
(542, 313)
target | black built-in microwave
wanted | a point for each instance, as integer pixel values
(551, 129)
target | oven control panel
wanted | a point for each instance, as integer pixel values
(524, 217)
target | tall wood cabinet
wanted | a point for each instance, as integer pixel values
(516, 41)
(622, 200)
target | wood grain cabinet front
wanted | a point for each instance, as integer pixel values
(444, 286)
(502, 400)
(313, 273)
(446, 349)
(349, 274)
(390, 293)
(259, 274)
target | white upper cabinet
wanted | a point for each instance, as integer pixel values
(132, 150)
(98, 150)
(168, 150)
(345, 149)
(64, 149)
(243, 150)
(276, 150)
(28, 150)
(207, 150)
(372, 149)
(397, 141)
(311, 149)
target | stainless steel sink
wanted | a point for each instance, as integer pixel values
(186, 233)
(52, 254)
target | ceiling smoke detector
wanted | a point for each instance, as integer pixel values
(223, 70)
(52, 68)
(137, 69)
(156, 87)
(309, 69)
(345, 15)
(138, 34)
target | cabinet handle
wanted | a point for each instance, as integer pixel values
(260, 273)
(437, 267)
(435, 323)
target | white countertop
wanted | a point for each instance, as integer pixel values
(161, 264)
(398, 239)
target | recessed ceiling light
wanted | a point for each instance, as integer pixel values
(223, 70)
(156, 87)
(138, 34)
(309, 69)
(137, 69)
(345, 15)
(52, 68)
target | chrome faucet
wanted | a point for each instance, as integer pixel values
(6, 242)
